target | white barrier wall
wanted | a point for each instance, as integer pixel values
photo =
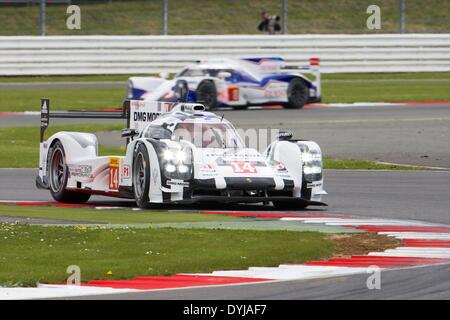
(59, 55)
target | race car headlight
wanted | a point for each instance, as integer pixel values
(311, 157)
(170, 168)
(177, 163)
(183, 168)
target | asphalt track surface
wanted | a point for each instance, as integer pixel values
(416, 134)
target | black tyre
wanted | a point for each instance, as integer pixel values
(181, 90)
(207, 94)
(297, 94)
(283, 205)
(141, 177)
(58, 175)
(240, 107)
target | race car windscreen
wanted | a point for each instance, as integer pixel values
(204, 72)
(156, 132)
(207, 135)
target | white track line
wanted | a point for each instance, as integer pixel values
(296, 272)
(417, 235)
(56, 291)
(356, 222)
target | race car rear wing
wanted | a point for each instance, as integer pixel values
(313, 68)
(137, 113)
(46, 115)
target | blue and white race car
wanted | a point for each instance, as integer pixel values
(237, 83)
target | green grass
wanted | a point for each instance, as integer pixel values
(61, 99)
(75, 78)
(384, 92)
(30, 254)
(226, 17)
(112, 216)
(331, 163)
(387, 76)
(19, 146)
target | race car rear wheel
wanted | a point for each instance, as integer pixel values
(207, 94)
(297, 94)
(58, 174)
(141, 177)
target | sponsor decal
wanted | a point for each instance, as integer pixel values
(279, 167)
(114, 164)
(268, 66)
(145, 116)
(44, 113)
(275, 90)
(243, 167)
(126, 172)
(155, 175)
(80, 171)
(314, 184)
(207, 168)
(177, 183)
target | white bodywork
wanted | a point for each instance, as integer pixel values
(246, 91)
(282, 162)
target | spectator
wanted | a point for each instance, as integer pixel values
(264, 24)
(269, 24)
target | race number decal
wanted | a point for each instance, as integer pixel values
(233, 93)
(114, 164)
(243, 167)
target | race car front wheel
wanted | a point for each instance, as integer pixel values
(207, 94)
(141, 177)
(297, 94)
(58, 175)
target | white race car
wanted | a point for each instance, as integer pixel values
(236, 83)
(178, 153)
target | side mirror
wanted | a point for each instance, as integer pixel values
(285, 135)
(164, 75)
(129, 133)
(224, 74)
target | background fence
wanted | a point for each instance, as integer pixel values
(200, 17)
(60, 55)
